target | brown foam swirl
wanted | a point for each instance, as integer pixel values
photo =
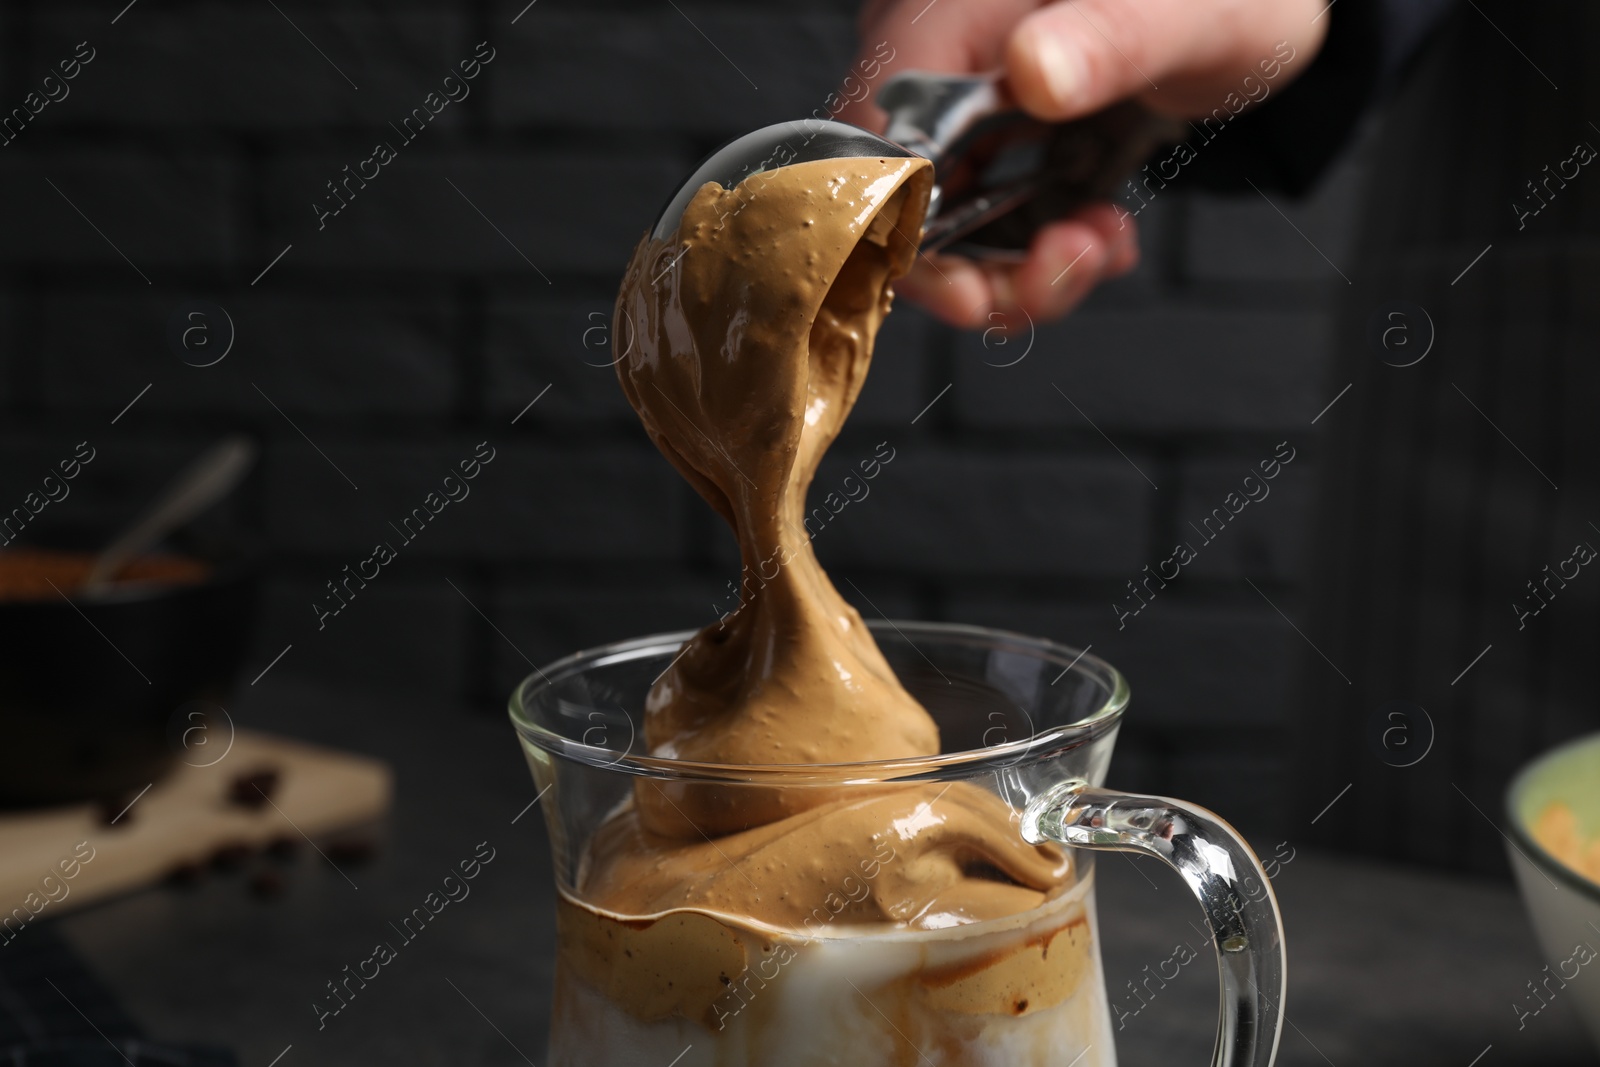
(922, 857)
(693, 929)
(752, 330)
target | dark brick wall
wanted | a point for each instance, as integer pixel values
(464, 281)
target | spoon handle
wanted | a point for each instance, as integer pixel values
(210, 478)
(996, 164)
(929, 112)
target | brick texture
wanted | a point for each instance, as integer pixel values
(133, 212)
(1173, 368)
(178, 67)
(405, 632)
(475, 275)
(535, 214)
(9, 330)
(1192, 666)
(529, 502)
(1245, 239)
(750, 69)
(1265, 540)
(357, 356)
(1003, 514)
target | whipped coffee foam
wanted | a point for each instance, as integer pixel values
(809, 923)
(1017, 992)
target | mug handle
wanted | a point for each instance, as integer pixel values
(1214, 860)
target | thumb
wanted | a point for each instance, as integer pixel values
(1078, 56)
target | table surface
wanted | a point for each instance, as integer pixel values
(1387, 965)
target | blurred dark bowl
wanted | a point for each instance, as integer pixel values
(90, 689)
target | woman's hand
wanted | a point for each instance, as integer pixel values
(1063, 60)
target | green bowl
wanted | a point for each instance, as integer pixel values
(1563, 905)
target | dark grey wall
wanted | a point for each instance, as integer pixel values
(462, 282)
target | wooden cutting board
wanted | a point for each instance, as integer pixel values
(57, 859)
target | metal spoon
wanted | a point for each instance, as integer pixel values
(769, 148)
(210, 478)
(991, 160)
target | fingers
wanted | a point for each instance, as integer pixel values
(1117, 229)
(1066, 261)
(1071, 257)
(1078, 56)
(1072, 57)
(947, 36)
(1181, 57)
(953, 289)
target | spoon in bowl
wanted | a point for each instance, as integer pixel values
(1000, 174)
(210, 478)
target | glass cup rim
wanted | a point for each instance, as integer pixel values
(940, 766)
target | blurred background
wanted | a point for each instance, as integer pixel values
(476, 274)
(458, 306)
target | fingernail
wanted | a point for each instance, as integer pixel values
(1060, 66)
(1005, 293)
(1080, 268)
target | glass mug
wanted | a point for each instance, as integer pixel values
(1027, 720)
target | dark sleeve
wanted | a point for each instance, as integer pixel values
(1289, 140)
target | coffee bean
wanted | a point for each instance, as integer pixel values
(231, 856)
(185, 875)
(253, 789)
(283, 848)
(352, 850)
(267, 885)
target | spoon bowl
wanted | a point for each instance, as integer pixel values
(1000, 175)
(771, 147)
